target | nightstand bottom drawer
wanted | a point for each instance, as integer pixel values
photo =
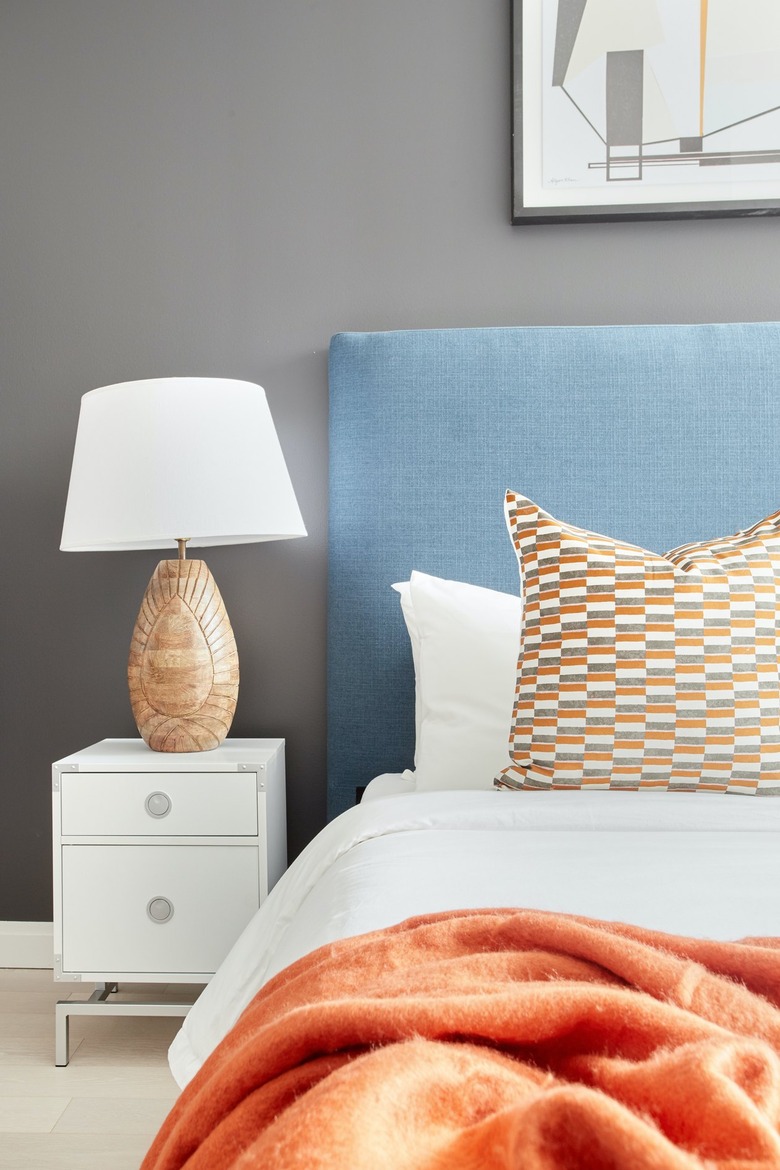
(155, 908)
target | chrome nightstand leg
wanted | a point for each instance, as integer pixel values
(97, 1005)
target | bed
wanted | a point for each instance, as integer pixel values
(659, 436)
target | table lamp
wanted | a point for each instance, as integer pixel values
(177, 461)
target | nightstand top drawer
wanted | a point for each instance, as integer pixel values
(159, 804)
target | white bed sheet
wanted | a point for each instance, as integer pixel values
(687, 863)
(388, 784)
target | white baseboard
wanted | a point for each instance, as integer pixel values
(26, 944)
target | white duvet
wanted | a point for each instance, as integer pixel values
(687, 863)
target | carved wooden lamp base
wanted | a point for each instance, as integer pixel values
(183, 665)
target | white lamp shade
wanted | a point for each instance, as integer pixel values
(170, 458)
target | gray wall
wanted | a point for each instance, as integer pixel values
(215, 187)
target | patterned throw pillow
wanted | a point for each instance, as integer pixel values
(645, 671)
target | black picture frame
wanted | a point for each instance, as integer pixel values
(539, 130)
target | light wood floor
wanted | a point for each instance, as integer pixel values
(102, 1111)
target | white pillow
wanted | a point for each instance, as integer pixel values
(465, 642)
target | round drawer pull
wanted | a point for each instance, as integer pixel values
(159, 909)
(158, 804)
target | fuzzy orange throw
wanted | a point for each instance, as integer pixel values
(505, 1038)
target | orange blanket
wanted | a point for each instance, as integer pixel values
(481, 1039)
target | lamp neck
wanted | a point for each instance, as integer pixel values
(182, 543)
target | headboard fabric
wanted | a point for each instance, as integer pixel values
(656, 434)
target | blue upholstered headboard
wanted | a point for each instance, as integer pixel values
(658, 434)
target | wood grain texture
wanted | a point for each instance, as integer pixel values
(118, 1084)
(183, 666)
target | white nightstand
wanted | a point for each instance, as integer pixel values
(160, 860)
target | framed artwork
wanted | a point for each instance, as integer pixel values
(645, 109)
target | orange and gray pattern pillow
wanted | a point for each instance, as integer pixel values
(644, 671)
